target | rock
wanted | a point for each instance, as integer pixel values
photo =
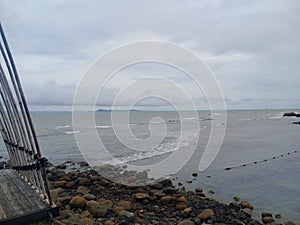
(141, 196)
(87, 221)
(205, 214)
(236, 207)
(89, 197)
(186, 212)
(266, 214)
(64, 200)
(126, 216)
(83, 164)
(211, 192)
(166, 183)
(82, 190)
(247, 211)
(127, 205)
(182, 199)
(84, 181)
(186, 222)
(236, 198)
(142, 175)
(109, 222)
(194, 174)
(278, 216)
(55, 192)
(296, 123)
(2, 165)
(107, 203)
(166, 199)
(70, 184)
(246, 204)
(60, 184)
(289, 223)
(290, 114)
(199, 190)
(117, 210)
(62, 167)
(96, 209)
(181, 205)
(78, 202)
(131, 179)
(268, 219)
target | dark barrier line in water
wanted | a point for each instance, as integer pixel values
(261, 161)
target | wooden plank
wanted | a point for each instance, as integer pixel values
(18, 199)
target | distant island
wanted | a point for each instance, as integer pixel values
(117, 110)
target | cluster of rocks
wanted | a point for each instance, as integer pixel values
(297, 122)
(291, 114)
(84, 198)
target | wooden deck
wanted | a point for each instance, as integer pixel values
(19, 203)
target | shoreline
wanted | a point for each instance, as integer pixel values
(85, 197)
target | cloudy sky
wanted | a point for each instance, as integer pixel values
(252, 47)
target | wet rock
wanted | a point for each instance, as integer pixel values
(236, 198)
(141, 196)
(289, 223)
(166, 199)
(268, 219)
(117, 210)
(278, 216)
(186, 222)
(186, 212)
(127, 205)
(290, 114)
(199, 190)
(181, 206)
(96, 209)
(205, 214)
(70, 185)
(109, 222)
(60, 184)
(266, 214)
(246, 204)
(142, 175)
(107, 203)
(236, 207)
(82, 190)
(78, 202)
(247, 211)
(61, 167)
(89, 197)
(87, 221)
(194, 174)
(126, 216)
(84, 181)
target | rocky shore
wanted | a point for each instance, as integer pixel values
(84, 198)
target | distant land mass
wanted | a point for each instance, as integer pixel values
(117, 110)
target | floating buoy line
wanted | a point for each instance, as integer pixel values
(260, 161)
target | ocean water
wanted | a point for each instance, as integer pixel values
(261, 150)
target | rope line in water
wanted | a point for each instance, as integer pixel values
(260, 161)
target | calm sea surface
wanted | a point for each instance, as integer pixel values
(261, 147)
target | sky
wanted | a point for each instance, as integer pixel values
(251, 47)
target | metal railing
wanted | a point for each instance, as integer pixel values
(16, 125)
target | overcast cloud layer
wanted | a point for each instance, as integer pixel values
(252, 47)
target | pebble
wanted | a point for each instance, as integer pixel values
(289, 223)
(205, 214)
(127, 205)
(78, 202)
(268, 219)
(96, 209)
(186, 212)
(246, 204)
(186, 222)
(126, 216)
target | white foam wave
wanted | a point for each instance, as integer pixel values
(103, 127)
(72, 132)
(62, 126)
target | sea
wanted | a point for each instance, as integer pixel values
(258, 159)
